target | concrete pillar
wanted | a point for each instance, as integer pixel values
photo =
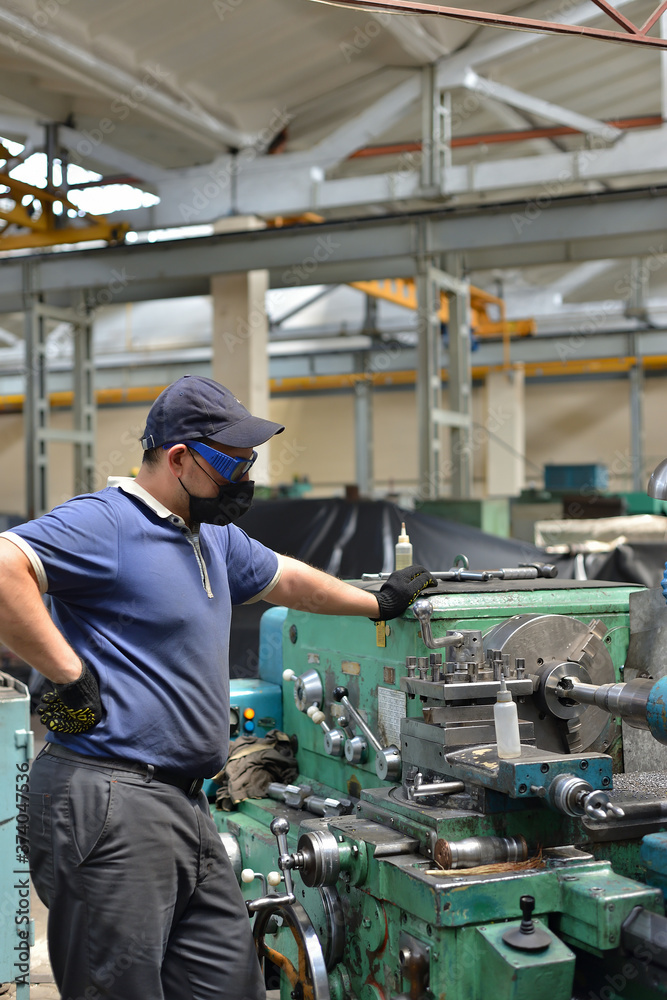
(240, 344)
(506, 432)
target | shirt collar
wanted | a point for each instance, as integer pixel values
(128, 485)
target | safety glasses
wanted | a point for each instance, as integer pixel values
(231, 469)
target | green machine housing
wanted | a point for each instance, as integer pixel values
(408, 859)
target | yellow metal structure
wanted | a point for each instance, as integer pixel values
(302, 383)
(28, 219)
(483, 305)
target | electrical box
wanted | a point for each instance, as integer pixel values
(576, 477)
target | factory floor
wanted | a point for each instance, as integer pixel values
(42, 986)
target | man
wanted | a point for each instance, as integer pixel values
(143, 904)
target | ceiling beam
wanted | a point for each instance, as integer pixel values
(21, 37)
(278, 185)
(366, 126)
(568, 230)
(500, 44)
(413, 37)
(538, 106)
(107, 156)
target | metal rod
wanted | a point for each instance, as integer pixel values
(629, 699)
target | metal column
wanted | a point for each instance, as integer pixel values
(460, 377)
(436, 132)
(85, 411)
(37, 408)
(363, 407)
(429, 381)
(636, 309)
(431, 281)
(363, 435)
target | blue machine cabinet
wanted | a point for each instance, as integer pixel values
(16, 925)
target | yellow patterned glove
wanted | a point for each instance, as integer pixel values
(74, 707)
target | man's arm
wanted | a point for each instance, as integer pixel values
(25, 624)
(308, 589)
(305, 588)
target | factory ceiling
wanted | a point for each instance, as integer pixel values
(273, 106)
(288, 108)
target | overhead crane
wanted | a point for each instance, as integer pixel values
(29, 216)
(403, 292)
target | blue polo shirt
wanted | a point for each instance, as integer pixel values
(147, 603)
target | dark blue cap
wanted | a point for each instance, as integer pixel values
(194, 407)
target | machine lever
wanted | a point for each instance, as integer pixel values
(341, 695)
(421, 790)
(422, 610)
(575, 797)
(280, 828)
(388, 763)
(307, 688)
(334, 739)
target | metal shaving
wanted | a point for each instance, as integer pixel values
(501, 866)
(642, 783)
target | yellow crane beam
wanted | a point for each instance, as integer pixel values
(28, 217)
(403, 292)
(321, 383)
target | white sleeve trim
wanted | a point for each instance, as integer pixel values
(269, 587)
(36, 563)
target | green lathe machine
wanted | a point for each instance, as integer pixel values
(408, 860)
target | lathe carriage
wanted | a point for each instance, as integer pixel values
(409, 860)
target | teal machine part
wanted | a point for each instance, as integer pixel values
(408, 859)
(16, 741)
(256, 703)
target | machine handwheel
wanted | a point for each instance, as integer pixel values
(309, 981)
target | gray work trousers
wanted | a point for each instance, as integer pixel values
(143, 902)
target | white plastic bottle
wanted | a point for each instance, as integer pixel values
(403, 550)
(507, 723)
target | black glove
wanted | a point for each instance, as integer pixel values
(401, 589)
(74, 707)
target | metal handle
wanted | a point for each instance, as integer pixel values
(340, 694)
(280, 828)
(388, 762)
(423, 610)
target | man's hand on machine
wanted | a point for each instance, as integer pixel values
(72, 708)
(402, 588)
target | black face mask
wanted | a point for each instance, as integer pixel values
(232, 502)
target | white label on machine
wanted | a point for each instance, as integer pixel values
(392, 707)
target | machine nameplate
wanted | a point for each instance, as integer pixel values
(392, 707)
